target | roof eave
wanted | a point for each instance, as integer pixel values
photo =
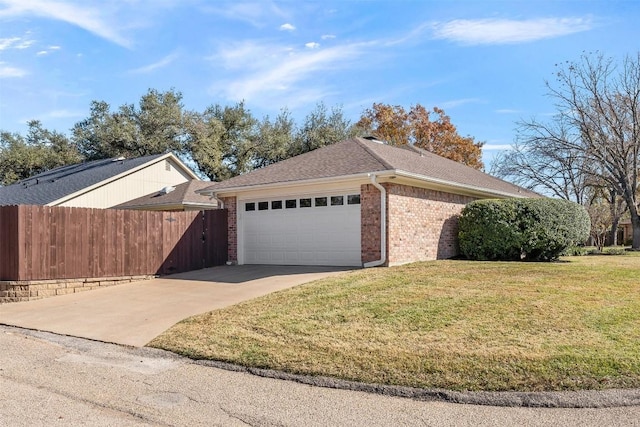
(360, 177)
(459, 188)
(426, 181)
(167, 206)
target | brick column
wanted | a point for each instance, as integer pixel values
(369, 223)
(230, 203)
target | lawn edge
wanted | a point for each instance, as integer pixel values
(608, 398)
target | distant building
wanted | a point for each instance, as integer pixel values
(99, 183)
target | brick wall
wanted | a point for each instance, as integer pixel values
(230, 203)
(26, 290)
(422, 224)
(370, 223)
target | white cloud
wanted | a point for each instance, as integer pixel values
(8, 42)
(495, 147)
(15, 43)
(7, 71)
(156, 65)
(327, 36)
(47, 51)
(255, 13)
(312, 45)
(458, 102)
(505, 31)
(25, 44)
(287, 27)
(267, 73)
(90, 19)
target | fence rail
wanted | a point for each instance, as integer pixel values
(43, 243)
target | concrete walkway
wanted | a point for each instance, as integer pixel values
(133, 314)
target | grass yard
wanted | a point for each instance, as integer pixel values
(457, 325)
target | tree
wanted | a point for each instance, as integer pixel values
(536, 164)
(41, 150)
(274, 140)
(220, 140)
(321, 127)
(155, 127)
(605, 209)
(598, 122)
(398, 126)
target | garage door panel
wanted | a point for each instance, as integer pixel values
(322, 235)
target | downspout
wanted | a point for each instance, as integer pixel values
(220, 202)
(383, 224)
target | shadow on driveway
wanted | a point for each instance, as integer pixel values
(247, 273)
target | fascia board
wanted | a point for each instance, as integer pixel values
(361, 178)
(454, 187)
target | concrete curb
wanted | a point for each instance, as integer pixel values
(554, 399)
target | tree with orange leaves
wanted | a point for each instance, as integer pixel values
(397, 126)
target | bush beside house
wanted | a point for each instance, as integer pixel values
(521, 229)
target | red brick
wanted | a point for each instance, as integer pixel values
(422, 224)
(230, 203)
(369, 223)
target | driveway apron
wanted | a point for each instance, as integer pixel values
(133, 314)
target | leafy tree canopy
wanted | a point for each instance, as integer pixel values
(154, 127)
(41, 150)
(224, 140)
(429, 130)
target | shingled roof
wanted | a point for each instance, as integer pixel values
(360, 156)
(55, 184)
(181, 196)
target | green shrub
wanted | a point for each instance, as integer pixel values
(521, 229)
(615, 250)
(575, 251)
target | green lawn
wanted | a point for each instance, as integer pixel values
(458, 325)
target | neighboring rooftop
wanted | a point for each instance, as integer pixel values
(361, 156)
(182, 196)
(54, 184)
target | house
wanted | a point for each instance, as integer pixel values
(625, 232)
(99, 183)
(359, 202)
(181, 197)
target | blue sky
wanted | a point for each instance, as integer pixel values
(483, 62)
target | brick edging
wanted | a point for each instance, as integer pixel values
(27, 290)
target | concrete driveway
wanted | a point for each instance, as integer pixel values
(133, 314)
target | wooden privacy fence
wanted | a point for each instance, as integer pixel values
(44, 243)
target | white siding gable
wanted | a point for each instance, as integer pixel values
(153, 177)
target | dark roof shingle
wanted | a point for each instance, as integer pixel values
(182, 194)
(359, 156)
(55, 184)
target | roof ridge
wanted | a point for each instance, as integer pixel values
(383, 162)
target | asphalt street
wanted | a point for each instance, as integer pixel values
(54, 380)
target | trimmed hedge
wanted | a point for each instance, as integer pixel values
(521, 229)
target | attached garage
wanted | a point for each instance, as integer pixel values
(304, 229)
(359, 202)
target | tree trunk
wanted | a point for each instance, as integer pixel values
(613, 233)
(635, 227)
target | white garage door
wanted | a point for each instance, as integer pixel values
(303, 230)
